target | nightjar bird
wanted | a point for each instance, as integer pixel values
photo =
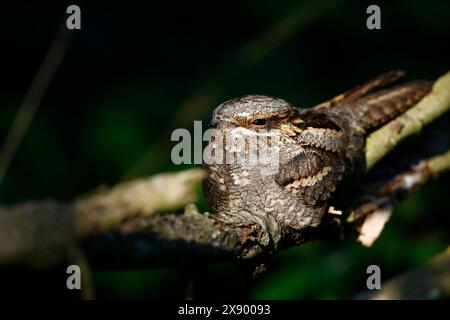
(303, 155)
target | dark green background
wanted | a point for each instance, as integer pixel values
(135, 72)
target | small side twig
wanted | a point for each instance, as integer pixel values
(374, 207)
(33, 98)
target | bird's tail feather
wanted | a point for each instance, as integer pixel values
(376, 109)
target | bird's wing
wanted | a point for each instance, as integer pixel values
(313, 174)
(362, 89)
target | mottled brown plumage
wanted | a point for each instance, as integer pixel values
(318, 149)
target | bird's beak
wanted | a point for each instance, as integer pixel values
(213, 123)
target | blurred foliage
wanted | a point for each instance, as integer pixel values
(136, 72)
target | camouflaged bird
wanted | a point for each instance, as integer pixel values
(319, 149)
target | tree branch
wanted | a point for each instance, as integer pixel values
(430, 281)
(436, 103)
(374, 206)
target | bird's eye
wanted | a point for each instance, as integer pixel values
(259, 122)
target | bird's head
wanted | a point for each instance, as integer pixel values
(256, 113)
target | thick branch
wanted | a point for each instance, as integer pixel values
(105, 209)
